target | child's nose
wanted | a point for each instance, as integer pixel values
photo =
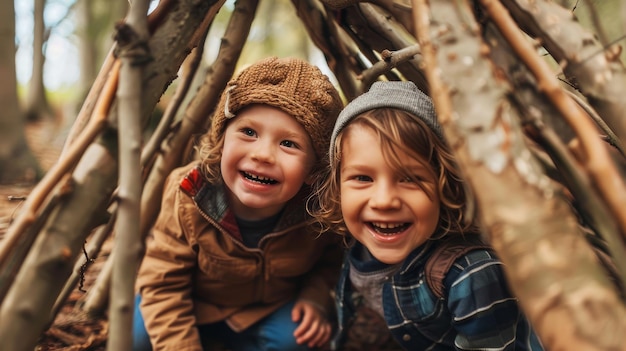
(385, 197)
(263, 152)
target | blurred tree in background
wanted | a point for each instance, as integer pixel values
(17, 163)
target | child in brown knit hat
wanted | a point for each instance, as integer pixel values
(234, 256)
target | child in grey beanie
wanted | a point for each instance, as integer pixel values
(394, 190)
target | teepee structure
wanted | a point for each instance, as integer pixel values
(530, 101)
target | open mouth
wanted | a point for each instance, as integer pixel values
(389, 228)
(257, 179)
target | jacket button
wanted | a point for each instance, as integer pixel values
(406, 337)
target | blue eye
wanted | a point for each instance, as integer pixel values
(288, 143)
(248, 132)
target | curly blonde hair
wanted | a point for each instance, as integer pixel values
(398, 131)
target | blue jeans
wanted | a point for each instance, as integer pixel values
(272, 333)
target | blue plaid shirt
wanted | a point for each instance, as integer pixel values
(478, 311)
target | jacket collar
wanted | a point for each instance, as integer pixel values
(416, 258)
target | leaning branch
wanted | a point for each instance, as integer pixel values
(132, 37)
(37, 197)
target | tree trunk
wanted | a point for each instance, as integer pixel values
(87, 48)
(37, 106)
(95, 22)
(17, 162)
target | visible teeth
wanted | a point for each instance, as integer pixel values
(389, 228)
(263, 179)
(387, 225)
(255, 178)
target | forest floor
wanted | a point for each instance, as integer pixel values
(72, 330)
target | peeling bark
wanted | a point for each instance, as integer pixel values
(595, 70)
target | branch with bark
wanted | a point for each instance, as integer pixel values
(540, 245)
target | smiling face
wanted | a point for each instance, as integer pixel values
(267, 157)
(388, 210)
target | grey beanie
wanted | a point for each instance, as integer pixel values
(403, 95)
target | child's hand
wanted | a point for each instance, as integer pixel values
(314, 329)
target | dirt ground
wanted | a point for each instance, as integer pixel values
(71, 329)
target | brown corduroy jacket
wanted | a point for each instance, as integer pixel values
(197, 270)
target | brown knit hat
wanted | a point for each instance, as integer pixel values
(293, 85)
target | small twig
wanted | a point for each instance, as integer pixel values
(83, 270)
(16, 198)
(611, 138)
(391, 59)
(604, 49)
